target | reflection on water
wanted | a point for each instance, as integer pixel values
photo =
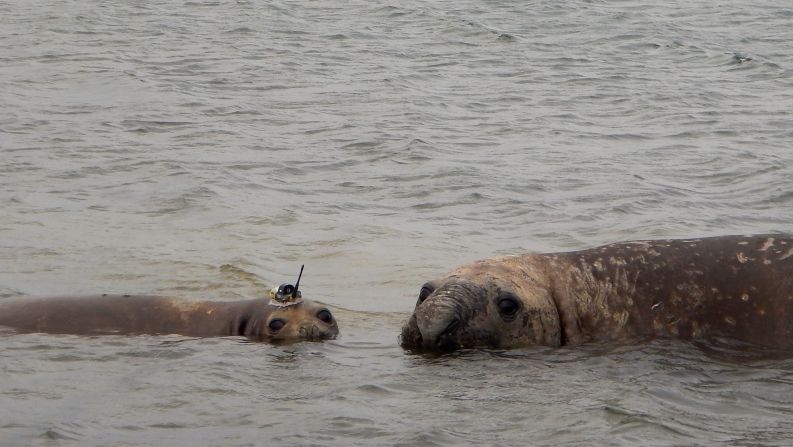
(208, 149)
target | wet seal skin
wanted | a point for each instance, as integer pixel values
(256, 319)
(736, 287)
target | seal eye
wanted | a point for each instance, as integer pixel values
(508, 306)
(276, 324)
(325, 316)
(426, 290)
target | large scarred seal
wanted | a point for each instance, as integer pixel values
(738, 287)
(257, 319)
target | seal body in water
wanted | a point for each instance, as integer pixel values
(256, 319)
(738, 287)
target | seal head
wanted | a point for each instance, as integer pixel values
(305, 320)
(495, 303)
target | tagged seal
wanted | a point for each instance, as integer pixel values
(139, 314)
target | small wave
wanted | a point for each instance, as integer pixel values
(60, 435)
(152, 126)
(241, 30)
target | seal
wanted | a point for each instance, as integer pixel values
(257, 319)
(738, 287)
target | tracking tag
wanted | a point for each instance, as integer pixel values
(287, 294)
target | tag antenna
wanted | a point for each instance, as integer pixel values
(297, 284)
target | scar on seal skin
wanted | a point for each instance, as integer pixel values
(139, 314)
(738, 287)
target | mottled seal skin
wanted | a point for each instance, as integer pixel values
(139, 314)
(738, 287)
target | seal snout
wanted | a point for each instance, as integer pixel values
(311, 332)
(437, 323)
(441, 316)
(314, 332)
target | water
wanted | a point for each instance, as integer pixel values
(206, 149)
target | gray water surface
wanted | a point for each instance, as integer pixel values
(207, 149)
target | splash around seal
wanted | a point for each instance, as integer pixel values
(738, 287)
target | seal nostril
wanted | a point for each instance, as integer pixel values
(444, 340)
(451, 327)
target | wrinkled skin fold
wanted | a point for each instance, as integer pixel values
(738, 287)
